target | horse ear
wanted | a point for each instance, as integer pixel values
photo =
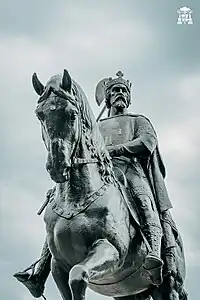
(38, 86)
(66, 84)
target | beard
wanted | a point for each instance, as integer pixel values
(120, 102)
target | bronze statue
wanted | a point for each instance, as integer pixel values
(107, 219)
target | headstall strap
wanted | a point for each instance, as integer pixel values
(78, 161)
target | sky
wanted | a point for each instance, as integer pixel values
(93, 40)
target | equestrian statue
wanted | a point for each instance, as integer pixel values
(108, 220)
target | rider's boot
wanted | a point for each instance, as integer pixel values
(35, 282)
(153, 234)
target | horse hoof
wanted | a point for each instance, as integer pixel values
(78, 280)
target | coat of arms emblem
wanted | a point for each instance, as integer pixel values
(185, 16)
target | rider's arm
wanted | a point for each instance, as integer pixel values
(143, 144)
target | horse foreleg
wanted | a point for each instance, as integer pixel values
(61, 277)
(102, 259)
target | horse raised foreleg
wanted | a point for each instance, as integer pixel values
(102, 259)
(61, 277)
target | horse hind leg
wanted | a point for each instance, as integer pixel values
(141, 296)
(166, 291)
(102, 259)
(61, 277)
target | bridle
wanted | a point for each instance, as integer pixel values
(73, 158)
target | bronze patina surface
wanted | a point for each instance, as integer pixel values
(108, 221)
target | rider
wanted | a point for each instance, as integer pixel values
(132, 144)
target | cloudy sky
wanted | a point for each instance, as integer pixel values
(94, 39)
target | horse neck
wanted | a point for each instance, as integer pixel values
(84, 179)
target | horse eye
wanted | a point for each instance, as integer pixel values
(73, 116)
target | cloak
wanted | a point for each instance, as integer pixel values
(123, 129)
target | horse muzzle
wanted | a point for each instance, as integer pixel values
(59, 177)
(59, 172)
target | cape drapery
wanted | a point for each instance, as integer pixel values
(123, 129)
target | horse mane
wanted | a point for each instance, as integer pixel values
(94, 139)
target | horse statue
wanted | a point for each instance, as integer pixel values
(93, 238)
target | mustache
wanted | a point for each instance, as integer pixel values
(120, 97)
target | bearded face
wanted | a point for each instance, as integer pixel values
(119, 96)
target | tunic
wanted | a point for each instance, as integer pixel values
(123, 131)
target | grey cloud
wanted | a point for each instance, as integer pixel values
(93, 40)
(28, 18)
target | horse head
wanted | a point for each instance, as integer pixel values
(58, 113)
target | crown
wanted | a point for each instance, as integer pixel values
(118, 80)
(184, 10)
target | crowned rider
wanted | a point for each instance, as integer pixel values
(132, 143)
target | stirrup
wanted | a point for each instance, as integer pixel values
(153, 265)
(152, 261)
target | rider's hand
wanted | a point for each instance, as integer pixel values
(116, 150)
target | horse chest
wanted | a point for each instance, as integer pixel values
(106, 217)
(73, 237)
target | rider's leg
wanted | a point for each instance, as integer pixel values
(151, 228)
(35, 281)
(150, 221)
